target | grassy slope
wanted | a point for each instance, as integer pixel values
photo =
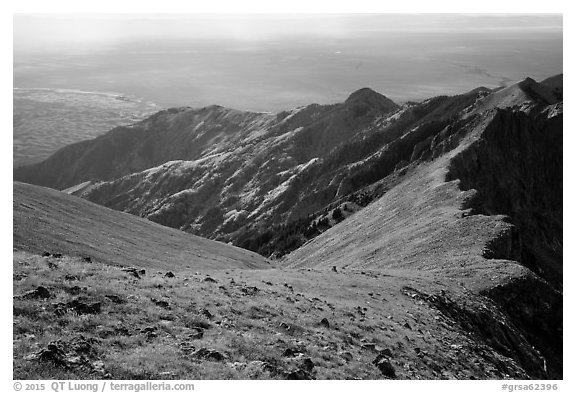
(373, 304)
(362, 307)
(48, 220)
(417, 225)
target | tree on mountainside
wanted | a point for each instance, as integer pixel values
(337, 214)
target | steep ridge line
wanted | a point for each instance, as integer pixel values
(417, 225)
(426, 223)
(268, 165)
(529, 151)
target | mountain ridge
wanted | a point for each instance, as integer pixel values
(242, 168)
(458, 199)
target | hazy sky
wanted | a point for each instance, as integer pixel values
(51, 31)
(278, 61)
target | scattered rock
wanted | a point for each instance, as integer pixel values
(186, 347)
(115, 299)
(298, 375)
(206, 313)
(87, 259)
(52, 353)
(407, 326)
(161, 303)
(169, 275)
(267, 282)
(384, 366)
(77, 353)
(269, 367)
(75, 290)
(369, 346)
(249, 291)
(209, 279)
(334, 269)
(150, 332)
(77, 306)
(151, 335)
(38, 293)
(324, 322)
(71, 277)
(122, 331)
(57, 255)
(347, 356)
(208, 354)
(199, 325)
(132, 271)
(46, 254)
(284, 325)
(289, 352)
(308, 365)
(197, 334)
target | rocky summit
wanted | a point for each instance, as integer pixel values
(412, 241)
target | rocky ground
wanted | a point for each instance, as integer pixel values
(74, 318)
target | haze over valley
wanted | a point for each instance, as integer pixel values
(256, 63)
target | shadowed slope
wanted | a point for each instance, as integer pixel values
(430, 222)
(48, 220)
(417, 225)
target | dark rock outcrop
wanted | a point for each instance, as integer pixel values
(78, 306)
(516, 169)
(38, 293)
(209, 354)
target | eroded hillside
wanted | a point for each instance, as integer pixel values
(485, 215)
(233, 175)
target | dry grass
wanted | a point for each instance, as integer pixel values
(48, 220)
(250, 328)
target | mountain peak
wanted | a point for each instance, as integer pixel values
(527, 82)
(364, 93)
(371, 98)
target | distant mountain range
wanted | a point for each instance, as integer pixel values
(265, 181)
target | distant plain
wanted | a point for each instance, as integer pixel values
(268, 73)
